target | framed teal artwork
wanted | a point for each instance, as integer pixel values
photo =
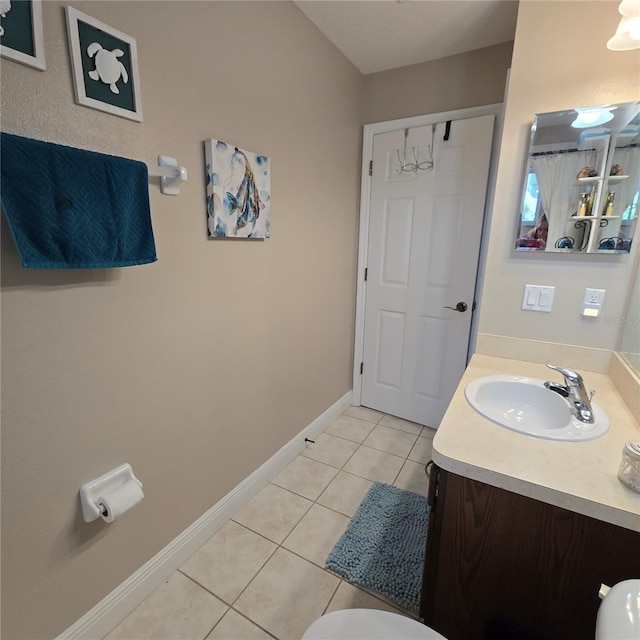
(105, 66)
(21, 37)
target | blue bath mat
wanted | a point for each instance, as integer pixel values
(382, 549)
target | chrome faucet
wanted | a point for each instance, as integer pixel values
(574, 391)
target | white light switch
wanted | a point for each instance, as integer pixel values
(538, 298)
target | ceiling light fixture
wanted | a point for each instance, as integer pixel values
(592, 116)
(627, 35)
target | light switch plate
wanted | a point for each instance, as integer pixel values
(538, 298)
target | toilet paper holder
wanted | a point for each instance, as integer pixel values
(91, 491)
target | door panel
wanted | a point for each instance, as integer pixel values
(424, 240)
(396, 240)
(432, 340)
(390, 343)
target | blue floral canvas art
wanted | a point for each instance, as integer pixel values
(238, 192)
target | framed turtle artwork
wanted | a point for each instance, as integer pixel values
(105, 66)
(21, 36)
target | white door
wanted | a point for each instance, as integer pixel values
(424, 240)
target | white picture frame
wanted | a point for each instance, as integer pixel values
(105, 77)
(27, 19)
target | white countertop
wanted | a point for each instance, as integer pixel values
(579, 476)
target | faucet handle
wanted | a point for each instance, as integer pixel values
(570, 375)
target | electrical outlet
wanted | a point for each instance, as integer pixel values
(594, 296)
(592, 303)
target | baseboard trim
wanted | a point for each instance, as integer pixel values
(112, 609)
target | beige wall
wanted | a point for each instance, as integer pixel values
(559, 61)
(198, 368)
(457, 82)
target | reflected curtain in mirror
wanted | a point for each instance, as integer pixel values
(556, 175)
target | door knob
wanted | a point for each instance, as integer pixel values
(461, 307)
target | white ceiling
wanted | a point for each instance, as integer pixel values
(376, 35)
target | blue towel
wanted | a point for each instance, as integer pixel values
(74, 209)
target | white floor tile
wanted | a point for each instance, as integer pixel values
(374, 465)
(364, 414)
(306, 477)
(422, 450)
(394, 441)
(273, 512)
(330, 450)
(428, 432)
(413, 478)
(236, 627)
(402, 425)
(229, 560)
(316, 534)
(177, 609)
(287, 595)
(350, 428)
(345, 493)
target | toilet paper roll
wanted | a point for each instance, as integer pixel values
(119, 500)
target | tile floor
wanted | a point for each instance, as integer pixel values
(261, 575)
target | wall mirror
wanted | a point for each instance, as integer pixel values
(582, 181)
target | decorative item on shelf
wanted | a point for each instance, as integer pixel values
(584, 203)
(608, 207)
(566, 242)
(587, 172)
(610, 244)
(21, 32)
(590, 200)
(616, 170)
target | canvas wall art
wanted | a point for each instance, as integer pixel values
(238, 192)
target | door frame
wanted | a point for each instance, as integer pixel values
(369, 131)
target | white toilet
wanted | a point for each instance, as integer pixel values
(618, 619)
(619, 612)
(368, 624)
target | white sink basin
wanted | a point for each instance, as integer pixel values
(526, 405)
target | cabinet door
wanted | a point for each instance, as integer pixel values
(501, 561)
(437, 480)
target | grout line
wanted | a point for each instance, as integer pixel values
(340, 581)
(253, 622)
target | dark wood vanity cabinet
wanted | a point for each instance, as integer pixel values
(501, 566)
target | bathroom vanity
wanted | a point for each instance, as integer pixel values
(522, 530)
